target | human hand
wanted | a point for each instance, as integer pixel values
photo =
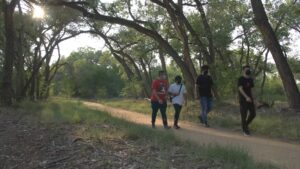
(160, 101)
(248, 99)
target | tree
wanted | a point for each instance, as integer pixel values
(88, 73)
(271, 41)
(9, 54)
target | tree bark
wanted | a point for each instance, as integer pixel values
(180, 29)
(33, 82)
(163, 61)
(271, 41)
(10, 37)
(264, 74)
(20, 60)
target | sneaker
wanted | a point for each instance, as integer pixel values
(167, 127)
(201, 120)
(207, 125)
(153, 125)
(246, 133)
(176, 127)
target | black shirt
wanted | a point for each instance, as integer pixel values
(205, 84)
(247, 84)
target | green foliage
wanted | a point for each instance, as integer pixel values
(273, 90)
(88, 75)
(132, 89)
(295, 66)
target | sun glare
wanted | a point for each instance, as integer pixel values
(38, 12)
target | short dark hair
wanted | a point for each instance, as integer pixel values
(161, 72)
(246, 67)
(178, 78)
(204, 67)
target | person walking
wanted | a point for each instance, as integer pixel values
(246, 99)
(204, 91)
(178, 97)
(159, 98)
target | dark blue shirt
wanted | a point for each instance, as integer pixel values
(247, 84)
(205, 84)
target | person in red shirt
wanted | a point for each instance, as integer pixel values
(159, 98)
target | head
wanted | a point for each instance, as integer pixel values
(178, 79)
(162, 75)
(246, 70)
(205, 69)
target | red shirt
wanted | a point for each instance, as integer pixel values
(161, 87)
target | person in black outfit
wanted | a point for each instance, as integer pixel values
(246, 99)
(205, 93)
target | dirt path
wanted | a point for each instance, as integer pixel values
(282, 154)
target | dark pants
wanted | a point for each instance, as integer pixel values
(177, 108)
(155, 105)
(247, 118)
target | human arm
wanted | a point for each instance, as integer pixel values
(241, 90)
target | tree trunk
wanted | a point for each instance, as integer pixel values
(131, 24)
(145, 71)
(33, 81)
(37, 87)
(125, 66)
(178, 23)
(163, 61)
(46, 82)
(20, 72)
(271, 41)
(7, 90)
(264, 75)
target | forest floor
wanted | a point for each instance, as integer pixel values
(63, 134)
(280, 153)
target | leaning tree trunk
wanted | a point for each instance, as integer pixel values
(163, 61)
(271, 41)
(46, 83)
(180, 30)
(7, 91)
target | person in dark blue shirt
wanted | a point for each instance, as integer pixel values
(246, 99)
(204, 91)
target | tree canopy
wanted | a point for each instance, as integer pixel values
(142, 37)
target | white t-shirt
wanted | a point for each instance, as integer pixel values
(174, 88)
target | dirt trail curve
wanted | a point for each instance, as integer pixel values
(282, 154)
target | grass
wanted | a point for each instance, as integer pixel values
(269, 123)
(74, 112)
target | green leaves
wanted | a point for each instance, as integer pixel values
(88, 75)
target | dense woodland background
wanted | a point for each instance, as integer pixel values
(143, 37)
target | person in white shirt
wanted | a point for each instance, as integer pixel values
(178, 97)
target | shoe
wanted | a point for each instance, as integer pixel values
(207, 125)
(167, 127)
(246, 133)
(153, 125)
(176, 127)
(201, 120)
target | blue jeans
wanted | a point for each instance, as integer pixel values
(206, 104)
